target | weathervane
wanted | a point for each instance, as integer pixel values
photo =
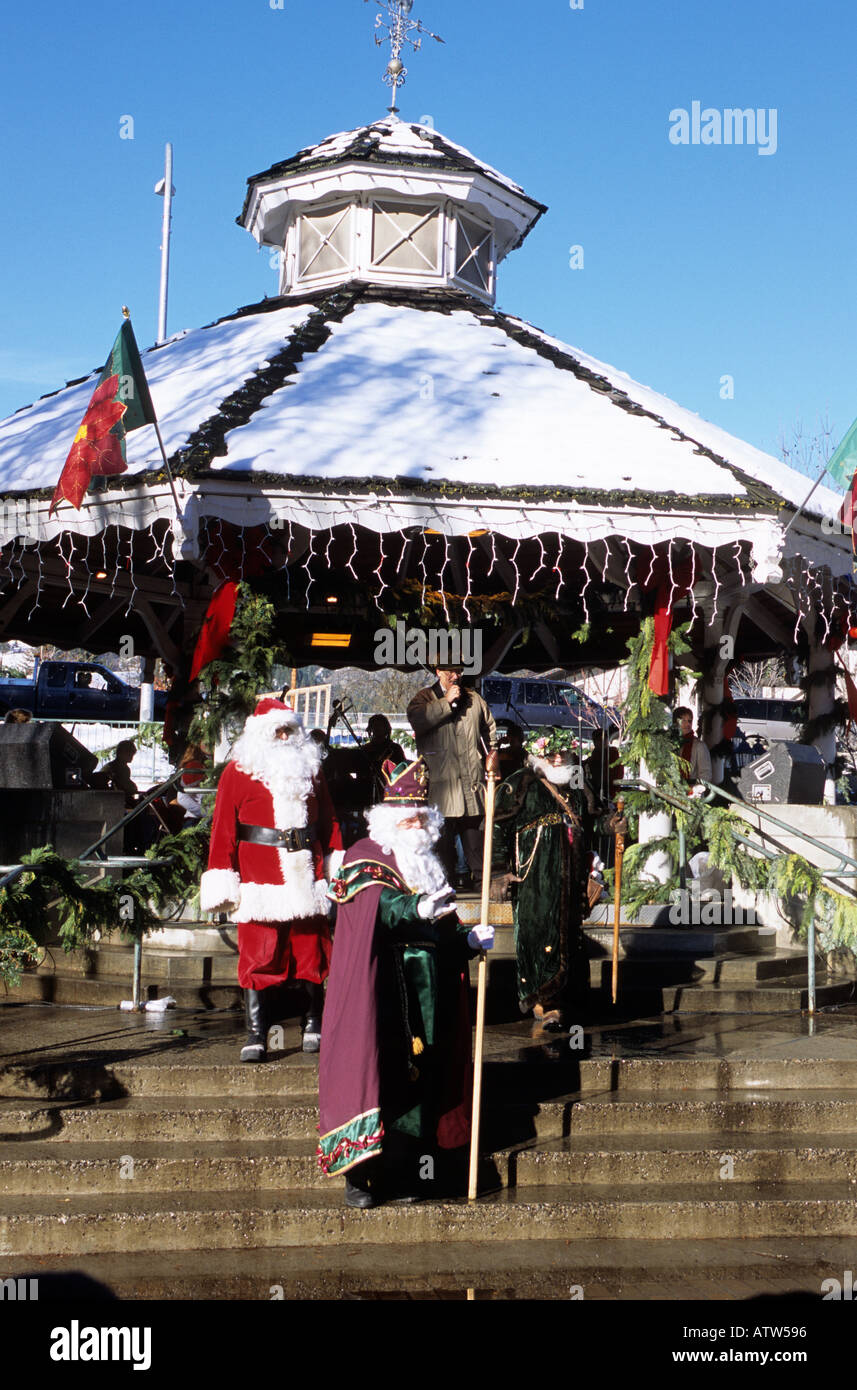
(397, 29)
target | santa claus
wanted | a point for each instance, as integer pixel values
(274, 842)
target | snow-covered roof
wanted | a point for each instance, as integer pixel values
(386, 141)
(428, 394)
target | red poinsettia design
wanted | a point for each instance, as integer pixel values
(95, 451)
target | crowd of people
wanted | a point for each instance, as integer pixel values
(342, 870)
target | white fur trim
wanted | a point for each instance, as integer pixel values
(297, 896)
(333, 862)
(219, 889)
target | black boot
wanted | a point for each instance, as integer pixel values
(311, 1024)
(256, 1047)
(358, 1186)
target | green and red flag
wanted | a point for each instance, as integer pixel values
(843, 470)
(120, 403)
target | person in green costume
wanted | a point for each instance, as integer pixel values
(539, 855)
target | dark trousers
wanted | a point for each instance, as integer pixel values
(469, 829)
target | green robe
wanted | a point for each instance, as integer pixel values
(535, 841)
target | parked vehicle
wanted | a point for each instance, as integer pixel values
(539, 704)
(774, 720)
(76, 690)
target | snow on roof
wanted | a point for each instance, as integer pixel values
(190, 376)
(786, 481)
(423, 386)
(388, 140)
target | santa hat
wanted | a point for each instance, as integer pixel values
(271, 714)
(407, 784)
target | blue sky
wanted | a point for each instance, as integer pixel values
(700, 261)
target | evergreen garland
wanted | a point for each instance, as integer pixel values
(232, 685)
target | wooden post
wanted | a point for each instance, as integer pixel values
(482, 983)
(617, 900)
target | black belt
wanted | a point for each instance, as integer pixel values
(301, 837)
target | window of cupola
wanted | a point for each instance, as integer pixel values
(407, 238)
(326, 242)
(474, 254)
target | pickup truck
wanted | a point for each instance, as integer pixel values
(75, 691)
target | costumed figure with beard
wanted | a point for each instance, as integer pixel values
(539, 853)
(273, 839)
(395, 1070)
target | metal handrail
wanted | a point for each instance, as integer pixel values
(838, 872)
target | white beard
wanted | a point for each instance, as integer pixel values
(413, 850)
(285, 766)
(557, 776)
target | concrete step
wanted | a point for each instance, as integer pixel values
(764, 997)
(82, 1225)
(160, 1119)
(61, 987)
(656, 940)
(714, 1160)
(715, 1269)
(76, 1168)
(762, 1112)
(295, 1075)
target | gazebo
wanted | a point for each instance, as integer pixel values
(379, 439)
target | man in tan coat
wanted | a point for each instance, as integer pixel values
(456, 734)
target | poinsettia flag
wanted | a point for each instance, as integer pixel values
(120, 403)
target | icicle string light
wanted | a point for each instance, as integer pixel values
(606, 561)
(81, 601)
(694, 611)
(443, 576)
(133, 593)
(307, 565)
(493, 553)
(587, 581)
(69, 564)
(350, 565)
(651, 566)
(327, 561)
(716, 585)
(629, 582)
(39, 583)
(514, 560)
(673, 585)
(561, 585)
(378, 572)
(469, 573)
(542, 554)
(424, 569)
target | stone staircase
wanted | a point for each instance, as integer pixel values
(662, 969)
(623, 1177)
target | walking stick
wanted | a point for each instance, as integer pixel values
(617, 900)
(482, 982)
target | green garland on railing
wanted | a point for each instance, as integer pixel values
(134, 904)
(791, 879)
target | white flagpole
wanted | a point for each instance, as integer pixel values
(164, 188)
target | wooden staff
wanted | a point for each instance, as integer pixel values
(617, 900)
(482, 983)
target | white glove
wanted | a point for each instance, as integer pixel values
(481, 938)
(432, 906)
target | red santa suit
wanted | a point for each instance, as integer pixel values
(276, 894)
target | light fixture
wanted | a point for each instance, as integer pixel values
(330, 639)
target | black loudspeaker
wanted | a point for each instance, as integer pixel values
(42, 757)
(793, 772)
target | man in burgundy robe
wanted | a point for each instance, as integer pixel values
(395, 1069)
